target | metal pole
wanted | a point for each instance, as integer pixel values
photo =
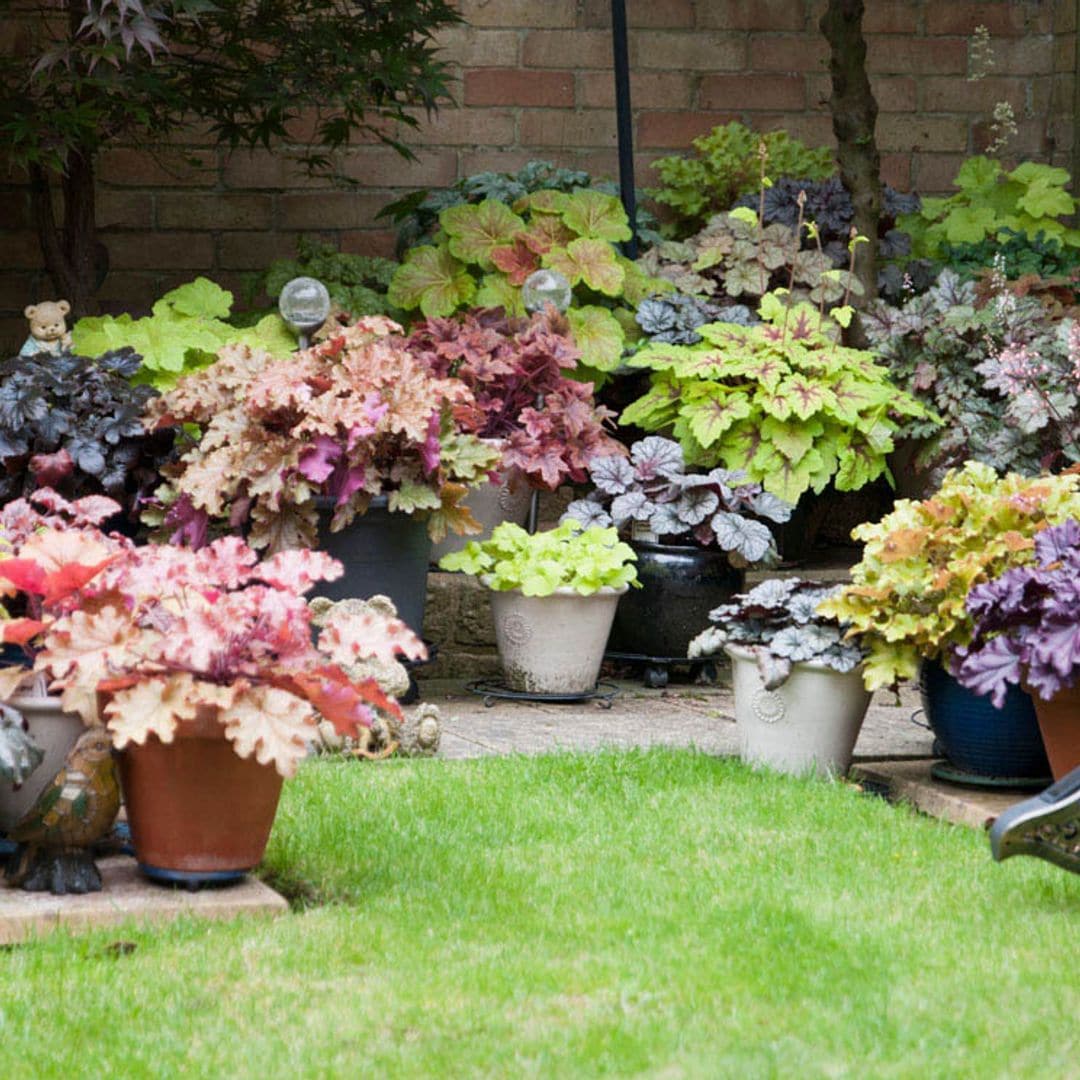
(624, 121)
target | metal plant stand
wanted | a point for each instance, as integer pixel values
(492, 690)
(655, 670)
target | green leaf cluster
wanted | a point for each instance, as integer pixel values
(906, 599)
(780, 400)
(484, 252)
(1014, 255)
(994, 204)
(356, 283)
(183, 333)
(725, 164)
(568, 556)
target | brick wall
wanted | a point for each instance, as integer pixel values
(533, 79)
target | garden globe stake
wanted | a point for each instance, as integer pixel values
(624, 122)
(543, 287)
(304, 304)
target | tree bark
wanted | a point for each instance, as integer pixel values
(73, 254)
(854, 115)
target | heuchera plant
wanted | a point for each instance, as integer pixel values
(484, 254)
(908, 593)
(167, 631)
(1025, 625)
(779, 621)
(654, 490)
(356, 417)
(998, 369)
(183, 333)
(550, 425)
(568, 556)
(75, 425)
(782, 401)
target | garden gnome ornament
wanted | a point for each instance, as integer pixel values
(75, 811)
(48, 328)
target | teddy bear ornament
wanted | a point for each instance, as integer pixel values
(48, 328)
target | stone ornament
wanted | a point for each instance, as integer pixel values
(48, 328)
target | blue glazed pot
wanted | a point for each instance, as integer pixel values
(978, 739)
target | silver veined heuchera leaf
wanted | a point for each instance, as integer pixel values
(695, 505)
(656, 456)
(588, 512)
(800, 643)
(634, 505)
(611, 474)
(751, 539)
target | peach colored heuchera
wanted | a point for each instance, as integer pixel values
(164, 630)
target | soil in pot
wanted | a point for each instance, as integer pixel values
(198, 812)
(679, 587)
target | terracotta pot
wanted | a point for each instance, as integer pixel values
(1059, 722)
(197, 811)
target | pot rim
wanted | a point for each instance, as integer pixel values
(689, 549)
(742, 652)
(562, 590)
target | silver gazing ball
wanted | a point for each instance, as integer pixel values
(545, 287)
(304, 304)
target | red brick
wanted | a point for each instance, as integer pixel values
(493, 160)
(185, 251)
(253, 250)
(128, 209)
(896, 170)
(1001, 18)
(15, 209)
(955, 95)
(1033, 54)
(130, 291)
(1064, 53)
(165, 168)
(329, 210)
(665, 14)
(788, 52)
(463, 127)
(916, 56)
(21, 250)
(935, 134)
(481, 48)
(561, 127)
(648, 90)
(370, 242)
(752, 92)
(222, 210)
(380, 166)
(809, 128)
(17, 291)
(12, 333)
(528, 13)
(934, 173)
(890, 17)
(511, 86)
(676, 130)
(263, 169)
(674, 51)
(769, 15)
(567, 49)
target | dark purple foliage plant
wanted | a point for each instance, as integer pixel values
(1027, 622)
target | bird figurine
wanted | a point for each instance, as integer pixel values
(73, 812)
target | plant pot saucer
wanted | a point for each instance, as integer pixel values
(492, 690)
(944, 770)
(193, 879)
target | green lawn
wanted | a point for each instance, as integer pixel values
(639, 914)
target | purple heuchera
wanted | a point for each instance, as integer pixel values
(1026, 622)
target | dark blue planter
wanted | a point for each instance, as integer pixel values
(1002, 746)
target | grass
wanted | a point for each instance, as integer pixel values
(656, 913)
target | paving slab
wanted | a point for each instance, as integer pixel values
(680, 715)
(128, 895)
(911, 782)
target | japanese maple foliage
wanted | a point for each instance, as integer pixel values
(1025, 622)
(511, 365)
(351, 418)
(166, 631)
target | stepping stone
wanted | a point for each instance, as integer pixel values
(128, 895)
(911, 782)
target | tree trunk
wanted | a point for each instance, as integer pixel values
(854, 115)
(75, 258)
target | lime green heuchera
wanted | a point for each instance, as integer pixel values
(569, 556)
(906, 599)
(782, 401)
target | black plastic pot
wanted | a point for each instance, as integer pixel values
(383, 553)
(680, 586)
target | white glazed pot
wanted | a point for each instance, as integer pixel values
(491, 504)
(553, 644)
(55, 732)
(808, 724)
